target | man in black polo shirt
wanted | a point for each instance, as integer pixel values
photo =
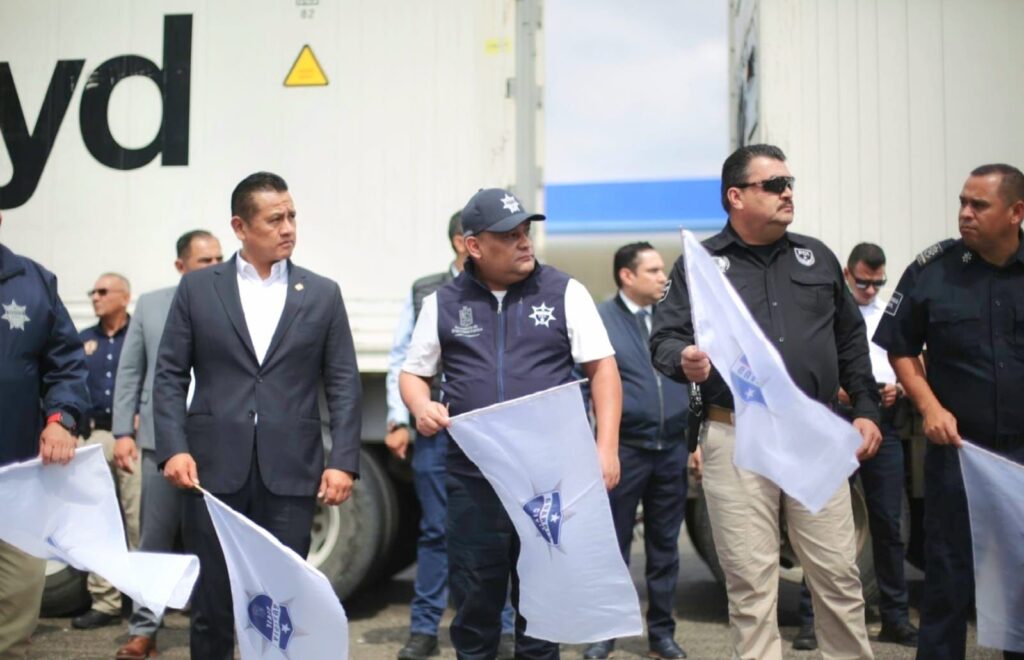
(965, 299)
(793, 286)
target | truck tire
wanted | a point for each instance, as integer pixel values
(65, 593)
(698, 525)
(347, 539)
(389, 520)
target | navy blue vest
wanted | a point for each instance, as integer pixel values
(488, 356)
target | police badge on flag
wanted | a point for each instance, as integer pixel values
(538, 454)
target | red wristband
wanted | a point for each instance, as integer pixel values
(55, 417)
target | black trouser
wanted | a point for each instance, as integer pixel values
(658, 479)
(288, 519)
(483, 549)
(949, 560)
(883, 479)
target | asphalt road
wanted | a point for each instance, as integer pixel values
(379, 620)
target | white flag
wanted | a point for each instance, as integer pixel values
(70, 513)
(994, 485)
(781, 433)
(538, 454)
(284, 608)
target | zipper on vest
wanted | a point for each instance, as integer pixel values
(661, 407)
(501, 353)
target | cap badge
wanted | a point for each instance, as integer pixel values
(510, 203)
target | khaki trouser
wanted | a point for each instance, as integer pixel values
(744, 508)
(22, 578)
(105, 597)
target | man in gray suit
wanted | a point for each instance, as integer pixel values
(161, 502)
(262, 335)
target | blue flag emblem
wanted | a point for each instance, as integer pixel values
(545, 510)
(271, 620)
(744, 382)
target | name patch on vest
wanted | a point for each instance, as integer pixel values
(466, 327)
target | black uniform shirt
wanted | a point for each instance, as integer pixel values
(102, 355)
(970, 314)
(796, 293)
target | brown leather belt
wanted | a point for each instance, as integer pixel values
(721, 415)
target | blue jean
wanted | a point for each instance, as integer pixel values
(883, 480)
(429, 455)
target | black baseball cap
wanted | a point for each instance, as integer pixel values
(494, 209)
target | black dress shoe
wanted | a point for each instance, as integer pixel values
(418, 647)
(805, 640)
(665, 647)
(507, 647)
(94, 619)
(903, 633)
(599, 650)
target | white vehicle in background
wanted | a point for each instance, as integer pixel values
(126, 124)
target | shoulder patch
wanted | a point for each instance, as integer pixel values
(929, 253)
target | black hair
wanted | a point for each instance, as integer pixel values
(241, 196)
(1011, 188)
(184, 244)
(454, 226)
(869, 254)
(627, 257)
(734, 169)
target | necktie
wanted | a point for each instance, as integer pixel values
(641, 319)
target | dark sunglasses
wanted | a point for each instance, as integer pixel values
(864, 284)
(775, 185)
(99, 292)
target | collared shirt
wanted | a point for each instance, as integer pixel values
(970, 314)
(796, 293)
(262, 301)
(634, 308)
(880, 367)
(102, 355)
(397, 412)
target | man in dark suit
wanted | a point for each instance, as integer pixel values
(652, 443)
(261, 334)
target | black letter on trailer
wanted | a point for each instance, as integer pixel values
(174, 84)
(29, 151)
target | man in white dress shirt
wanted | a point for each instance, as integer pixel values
(882, 475)
(261, 335)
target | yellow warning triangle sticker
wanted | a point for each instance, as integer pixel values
(306, 71)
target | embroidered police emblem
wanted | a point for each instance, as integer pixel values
(271, 620)
(15, 315)
(545, 510)
(722, 263)
(968, 256)
(90, 346)
(930, 253)
(668, 287)
(804, 256)
(745, 383)
(894, 303)
(466, 327)
(510, 203)
(542, 315)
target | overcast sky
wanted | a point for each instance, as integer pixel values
(635, 90)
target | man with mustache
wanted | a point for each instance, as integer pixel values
(793, 286)
(965, 299)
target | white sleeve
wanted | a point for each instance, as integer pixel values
(587, 335)
(424, 355)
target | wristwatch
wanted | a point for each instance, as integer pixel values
(64, 419)
(394, 426)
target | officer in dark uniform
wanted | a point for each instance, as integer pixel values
(43, 396)
(103, 343)
(794, 289)
(965, 300)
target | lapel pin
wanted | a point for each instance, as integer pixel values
(299, 287)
